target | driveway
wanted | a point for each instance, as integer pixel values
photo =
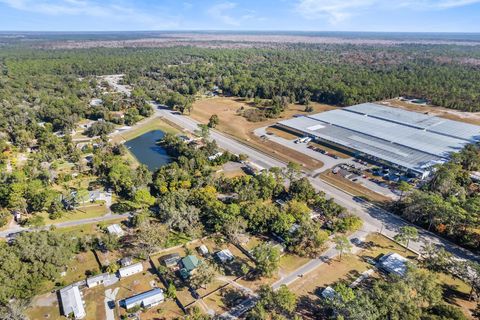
(110, 303)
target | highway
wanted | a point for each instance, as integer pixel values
(375, 218)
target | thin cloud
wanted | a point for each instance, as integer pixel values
(339, 10)
(221, 12)
(119, 11)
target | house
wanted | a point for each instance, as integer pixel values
(188, 264)
(97, 280)
(170, 260)
(393, 263)
(224, 256)
(202, 250)
(215, 156)
(146, 299)
(96, 102)
(126, 261)
(116, 230)
(329, 293)
(72, 303)
(93, 195)
(130, 270)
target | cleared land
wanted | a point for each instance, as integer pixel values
(239, 127)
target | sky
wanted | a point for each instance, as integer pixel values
(267, 15)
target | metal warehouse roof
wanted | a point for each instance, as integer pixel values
(408, 139)
(397, 154)
(430, 123)
(417, 139)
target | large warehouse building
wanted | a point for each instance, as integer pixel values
(412, 142)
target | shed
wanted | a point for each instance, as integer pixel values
(130, 270)
(97, 280)
(170, 260)
(393, 263)
(72, 302)
(116, 230)
(126, 261)
(203, 250)
(225, 255)
(146, 299)
(329, 293)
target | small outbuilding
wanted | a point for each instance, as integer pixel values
(393, 263)
(224, 256)
(130, 270)
(203, 250)
(116, 230)
(329, 293)
(126, 261)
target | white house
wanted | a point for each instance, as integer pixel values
(116, 230)
(203, 250)
(72, 302)
(146, 299)
(130, 270)
(97, 280)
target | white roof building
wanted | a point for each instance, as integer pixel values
(97, 280)
(72, 302)
(146, 299)
(203, 250)
(393, 263)
(225, 255)
(115, 229)
(329, 293)
(130, 270)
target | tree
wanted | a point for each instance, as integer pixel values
(404, 187)
(280, 304)
(143, 198)
(267, 259)
(234, 228)
(203, 275)
(203, 131)
(342, 245)
(406, 234)
(82, 195)
(213, 121)
(151, 237)
(171, 291)
(13, 310)
(293, 171)
(4, 215)
(112, 267)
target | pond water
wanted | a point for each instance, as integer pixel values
(145, 149)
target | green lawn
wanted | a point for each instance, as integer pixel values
(89, 211)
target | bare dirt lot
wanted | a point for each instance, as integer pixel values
(237, 126)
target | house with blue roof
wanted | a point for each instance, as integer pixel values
(145, 300)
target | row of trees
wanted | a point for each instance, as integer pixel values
(450, 202)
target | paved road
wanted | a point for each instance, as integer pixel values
(375, 218)
(5, 233)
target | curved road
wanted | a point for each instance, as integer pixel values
(375, 219)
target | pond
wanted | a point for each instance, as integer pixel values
(145, 149)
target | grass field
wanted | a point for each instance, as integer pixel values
(86, 212)
(239, 127)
